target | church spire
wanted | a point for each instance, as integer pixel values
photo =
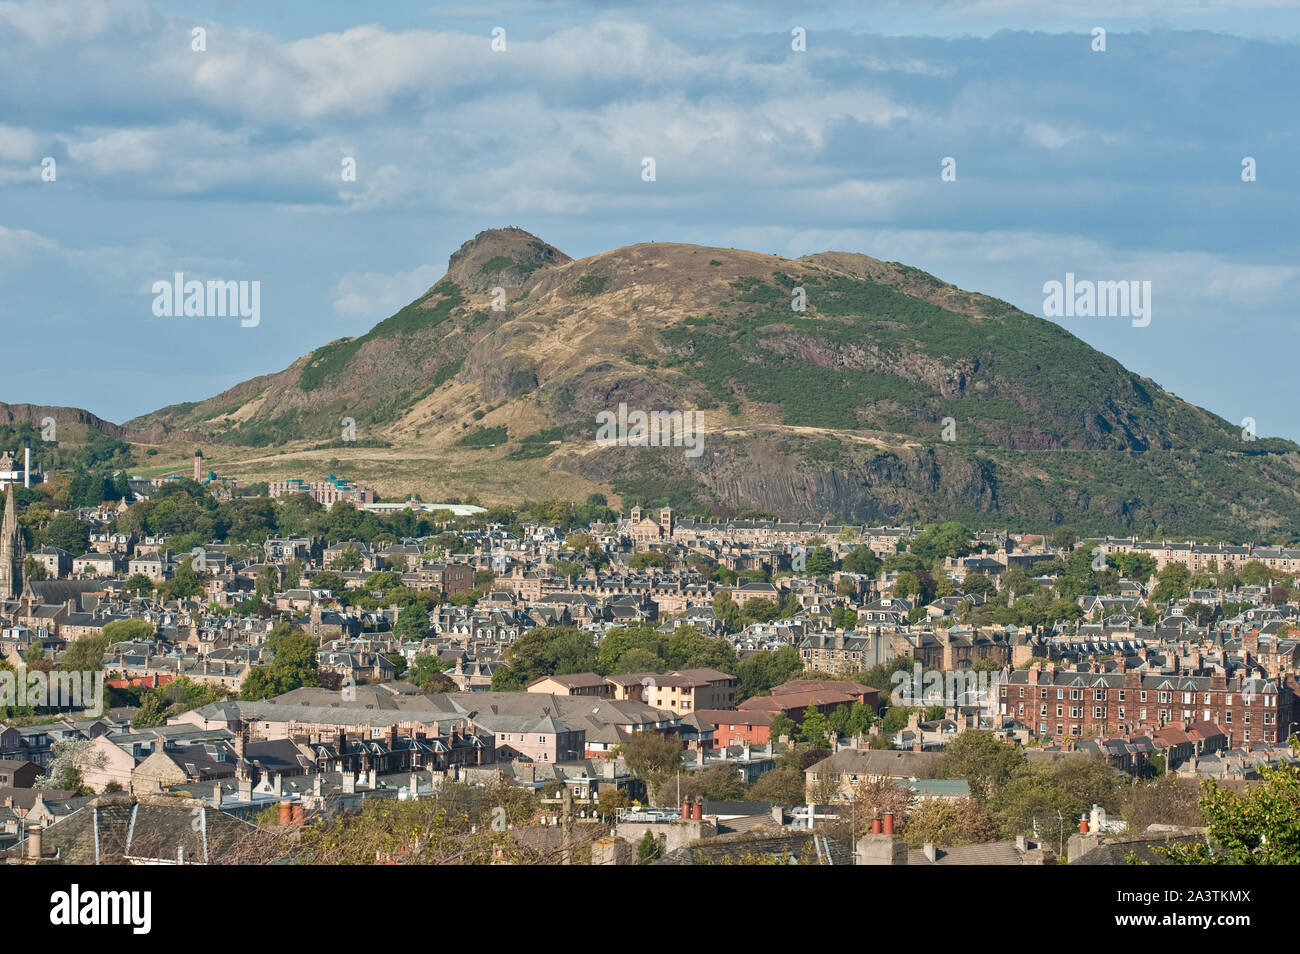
(11, 548)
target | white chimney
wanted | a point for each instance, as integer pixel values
(27, 467)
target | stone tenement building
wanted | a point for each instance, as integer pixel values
(1074, 703)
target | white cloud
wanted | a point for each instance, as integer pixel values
(50, 22)
(17, 143)
(375, 295)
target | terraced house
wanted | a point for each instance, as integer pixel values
(1073, 703)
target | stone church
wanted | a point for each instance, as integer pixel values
(11, 550)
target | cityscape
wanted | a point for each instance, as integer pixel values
(845, 437)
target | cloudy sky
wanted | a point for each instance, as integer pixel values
(226, 163)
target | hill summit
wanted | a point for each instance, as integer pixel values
(830, 386)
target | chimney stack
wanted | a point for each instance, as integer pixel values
(34, 842)
(27, 467)
(198, 467)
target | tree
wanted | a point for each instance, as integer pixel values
(610, 801)
(34, 570)
(293, 665)
(67, 533)
(551, 651)
(349, 558)
(938, 541)
(862, 560)
(1253, 573)
(783, 785)
(649, 849)
(85, 654)
(876, 797)
(964, 821)
(782, 726)
(428, 672)
(1260, 826)
(69, 758)
(820, 562)
(1166, 800)
(688, 648)
(1063, 538)
(128, 630)
(650, 756)
(412, 622)
(1172, 583)
(982, 759)
(138, 584)
(814, 728)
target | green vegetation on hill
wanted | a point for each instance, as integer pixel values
(329, 361)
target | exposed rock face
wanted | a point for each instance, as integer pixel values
(501, 257)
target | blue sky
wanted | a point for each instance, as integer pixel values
(225, 163)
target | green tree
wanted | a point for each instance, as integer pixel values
(938, 541)
(649, 849)
(815, 727)
(412, 622)
(428, 672)
(138, 584)
(1260, 826)
(982, 759)
(782, 725)
(128, 630)
(85, 654)
(348, 559)
(67, 533)
(863, 560)
(551, 651)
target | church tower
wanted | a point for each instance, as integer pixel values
(11, 549)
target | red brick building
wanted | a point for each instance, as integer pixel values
(1073, 703)
(734, 727)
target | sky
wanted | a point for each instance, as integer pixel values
(226, 162)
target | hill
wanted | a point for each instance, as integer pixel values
(839, 410)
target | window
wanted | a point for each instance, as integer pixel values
(1099, 712)
(1121, 712)
(1059, 711)
(1144, 696)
